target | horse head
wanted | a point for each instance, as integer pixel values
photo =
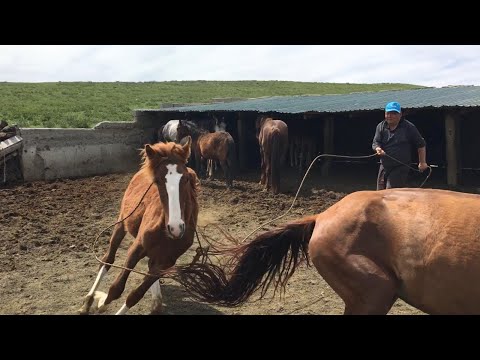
(176, 184)
(183, 130)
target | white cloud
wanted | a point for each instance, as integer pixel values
(429, 65)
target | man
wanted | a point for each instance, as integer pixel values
(394, 139)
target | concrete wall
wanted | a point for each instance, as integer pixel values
(110, 147)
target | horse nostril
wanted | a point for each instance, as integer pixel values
(170, 230)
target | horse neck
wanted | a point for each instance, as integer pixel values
(197, 132)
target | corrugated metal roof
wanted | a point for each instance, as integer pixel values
(463, 96)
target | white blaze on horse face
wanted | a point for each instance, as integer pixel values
(175, 226)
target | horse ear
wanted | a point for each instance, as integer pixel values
(186, 141)
(149, 151)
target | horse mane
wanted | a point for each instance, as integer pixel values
(194, 129)
(170, 150)
(174, 152)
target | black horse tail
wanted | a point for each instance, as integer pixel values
(271, 257)
(275, 162)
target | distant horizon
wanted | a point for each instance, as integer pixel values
(201, 80)
(420, 65)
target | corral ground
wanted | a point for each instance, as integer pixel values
(47, 230)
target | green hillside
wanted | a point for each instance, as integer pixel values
(84, 104)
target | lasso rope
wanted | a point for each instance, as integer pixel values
(308, 170)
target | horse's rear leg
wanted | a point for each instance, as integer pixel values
(365, 288)
(268, 175)
(227, 173)
(210, 169)
(263, 176)
(109, 257)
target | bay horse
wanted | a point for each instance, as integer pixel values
(163, 225)
(217, 146)
(272, 136)
(371, 247)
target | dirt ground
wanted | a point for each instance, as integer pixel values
(47, 230)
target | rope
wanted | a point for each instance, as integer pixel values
(300, 187)
(308, 170)
(118, 222)
(199, 252)
(4, 169)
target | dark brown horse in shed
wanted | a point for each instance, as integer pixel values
(371, 247)
(163, 225)
(272, 137)
(217, 146)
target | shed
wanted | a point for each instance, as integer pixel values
(448, 118)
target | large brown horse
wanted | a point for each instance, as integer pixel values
(216, 146)
(163, 225)
(272, 137)
(371, 247)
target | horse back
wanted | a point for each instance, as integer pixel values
(215, 145)
(426, 240)
(274, 129)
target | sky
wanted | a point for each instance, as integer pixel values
(426, 65)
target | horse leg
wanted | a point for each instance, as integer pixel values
(263, 170)
(134, 255)
(268, 174)
(365, 288)
(210, 164)
(149, 282)
(109, 257)
(156, 297)
(226, 172)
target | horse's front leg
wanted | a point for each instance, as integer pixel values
(109, 257)
(134, 255)
(149, 282)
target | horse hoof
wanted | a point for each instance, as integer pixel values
(101, 297)
(157, 308)
(87, 303)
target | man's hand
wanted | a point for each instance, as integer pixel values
(422, 166)
(379, 151)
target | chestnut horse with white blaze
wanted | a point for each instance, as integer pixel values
(163, 225)
(371, 247)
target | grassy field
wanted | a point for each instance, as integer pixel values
(84, 104)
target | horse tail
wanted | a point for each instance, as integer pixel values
(275, 162)
(271, 257)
